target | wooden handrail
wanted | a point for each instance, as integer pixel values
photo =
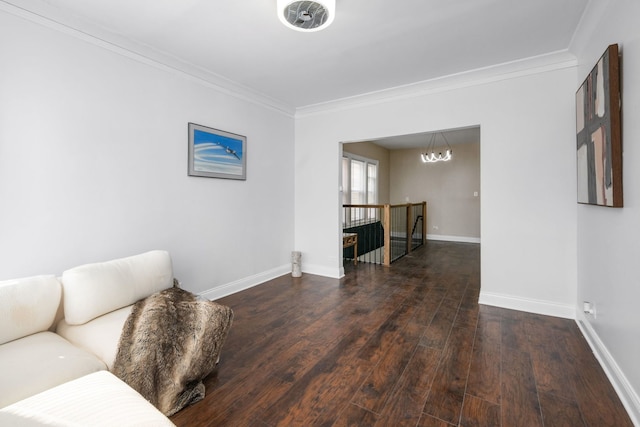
(382, 206)
(384, 216)
(364, 206)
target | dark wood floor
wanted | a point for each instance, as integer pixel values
(401, 346)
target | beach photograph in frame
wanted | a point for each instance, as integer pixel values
(214, 153)
(599, 133)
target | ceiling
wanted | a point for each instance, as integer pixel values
(372, 45)
(467, 135)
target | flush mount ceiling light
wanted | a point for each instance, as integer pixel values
(431, 157)
(306, 16)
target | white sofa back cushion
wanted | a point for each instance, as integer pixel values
(92, 290)
(28, 306)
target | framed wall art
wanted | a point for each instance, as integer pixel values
(215, 153)
(599, 133)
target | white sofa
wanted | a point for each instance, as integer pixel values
(99, 399)
(98, 299)
(87, 308)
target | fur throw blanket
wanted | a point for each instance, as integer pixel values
(169, 344)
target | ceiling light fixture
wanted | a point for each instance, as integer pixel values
(306, 16)
(431, 157)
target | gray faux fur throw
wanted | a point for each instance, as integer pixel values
(169, 343)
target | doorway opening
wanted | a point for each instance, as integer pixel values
(390, 171)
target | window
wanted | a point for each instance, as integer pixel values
(359, 185)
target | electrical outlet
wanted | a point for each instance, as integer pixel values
(435, 227)
(589, 308)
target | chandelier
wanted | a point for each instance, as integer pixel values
(430, 156)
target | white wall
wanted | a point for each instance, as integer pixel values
(609, 239)
(528, 179)
(93, 165)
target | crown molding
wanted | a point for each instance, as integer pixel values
(45, 15)
(509, 70)
(589, 21)
(52, 18)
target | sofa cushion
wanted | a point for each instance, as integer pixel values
(27, 306)
(98, 399)
(92, 290)
(100, 336)
(38, 362)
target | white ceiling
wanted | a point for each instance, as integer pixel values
(372, 45)
(449, 136)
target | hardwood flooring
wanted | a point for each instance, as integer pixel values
(401, 346)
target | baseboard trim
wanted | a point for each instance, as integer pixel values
(460, 239)
(320, 270)
(628, 396)
(547, 308)
(245, 283)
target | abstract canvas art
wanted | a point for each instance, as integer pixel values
(598, 131)
(215, 153)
